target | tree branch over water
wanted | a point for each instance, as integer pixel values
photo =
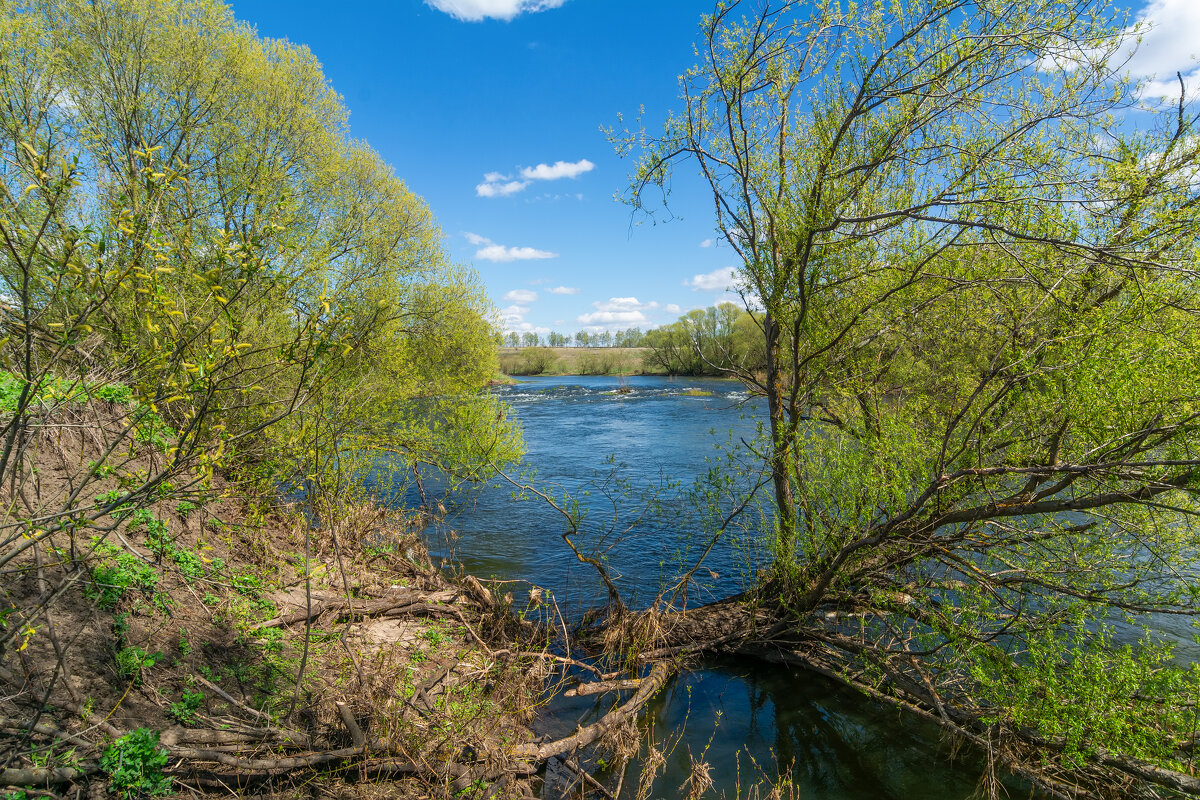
(970, 245)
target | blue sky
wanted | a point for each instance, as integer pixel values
(492, 111)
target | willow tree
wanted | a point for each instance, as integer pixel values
(970, 252)
(196, 259)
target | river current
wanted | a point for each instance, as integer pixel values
(629, 451)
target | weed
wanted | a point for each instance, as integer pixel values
(100, 470)
(114, 393)
(271, 640)
(151, 430)
(134, 765)
(434, 635)
(116, 574)
(112, 496)
(246, 583)
(185, 507)
(159, 540)
(185, 709)
(132, 662)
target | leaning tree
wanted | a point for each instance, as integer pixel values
(968, 244)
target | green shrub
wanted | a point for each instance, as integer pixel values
(134, 765)
(112, 578)
(159, 540)
(185, 709)
(133, 661)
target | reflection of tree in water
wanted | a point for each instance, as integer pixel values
(753, 724)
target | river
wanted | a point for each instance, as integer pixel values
(623, 454)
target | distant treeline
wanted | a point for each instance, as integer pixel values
(704, 341)
(633, 337)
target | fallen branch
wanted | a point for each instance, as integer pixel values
(585, 736)
(600, 687)
(45, 777)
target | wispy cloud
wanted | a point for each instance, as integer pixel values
(1168, 40)
(708, 242)
(563, 290)
(512, 318)
(719, 280)
(490, 251)
(521, 296)
(612, 317)
(479, 10)
(498, 252)
(499, 184)
(1160, 43)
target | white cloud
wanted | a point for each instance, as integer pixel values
(498, 252)
(1168, 38)
(478, 10)
(618, 311)
(560, 169)
(521, 296)
(612, 317)
(1161, 42)
(719, 280)
(513, 315)
(624, 304)
(490, 251)
(563, 290)
(499, 184)
(708, 243)
(672, 308)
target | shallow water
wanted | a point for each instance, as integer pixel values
(751, 722)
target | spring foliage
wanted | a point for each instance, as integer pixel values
(184, 213)
(969, 251)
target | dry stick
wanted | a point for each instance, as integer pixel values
(337, 553)
(356, 733)
(308, 615)
(268, 765)
(600, 687)
(45, 777)
(310, 612)
(588, 779)
(229, 698)
(59, 653)
(11, 724)
(585, 736)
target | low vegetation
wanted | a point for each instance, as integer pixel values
(576, 361)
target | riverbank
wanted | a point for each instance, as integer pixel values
(223, 643)
(200, 635)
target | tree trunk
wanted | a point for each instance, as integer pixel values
(781, 451)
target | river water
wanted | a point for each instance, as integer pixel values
(629, 458)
